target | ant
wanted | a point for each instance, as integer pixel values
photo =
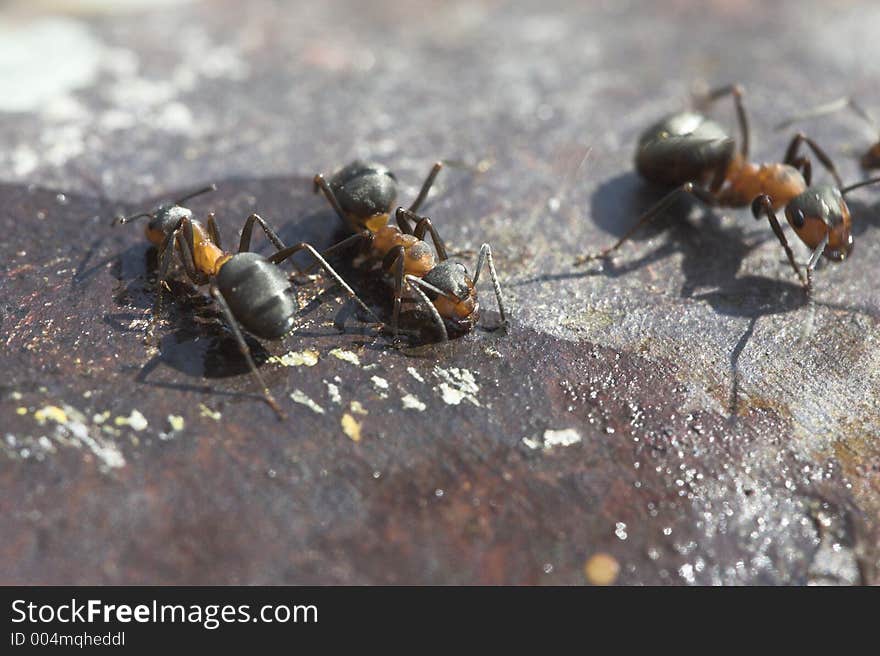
(250, 290)
(362, 194)
(697, 156)
(871, 158)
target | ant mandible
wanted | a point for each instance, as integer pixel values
(695, 154)
(251, 290)
(362, 194)
(870, 159)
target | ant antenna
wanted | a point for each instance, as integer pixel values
(209, 188)
(863, 183)
(121, 220)
(480, 167)
(180, 201)
(831, 108)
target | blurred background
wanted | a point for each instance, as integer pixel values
(140, 95)
(717, 428)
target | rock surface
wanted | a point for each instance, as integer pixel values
(685, 412)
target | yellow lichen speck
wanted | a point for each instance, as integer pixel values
(50, 412)
(351, 427)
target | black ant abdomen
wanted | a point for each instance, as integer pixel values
(681, 148)
(258, 293)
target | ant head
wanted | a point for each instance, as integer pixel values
(165, 218)
(458, 303)
(364, 189)
(818, 211)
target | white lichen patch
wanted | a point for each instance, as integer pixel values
(381, 386)
(296, 359)
(301, 398)
(563, 437)
(457, 385)
(333, 392)
(50, 413)
(135, 420)
(208, 413)
(346, 356)
(70, 429)
(176, 422)
(415, 374)
(553, 438)
(532, 444)
(412, 402)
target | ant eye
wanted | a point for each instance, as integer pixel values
(798, 219)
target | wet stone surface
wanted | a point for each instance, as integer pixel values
(684, 410)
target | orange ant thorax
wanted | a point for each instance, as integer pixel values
(418, 258)
(745, 181)
(207, 256)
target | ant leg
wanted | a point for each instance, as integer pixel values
(830, 108)
(365, 238)
(290, 251)
(245, 350)
(423, 225)
(805, 166)
(245, 243)
(791, 155)
(737, 92)
(764, 203)
(814, 260)
(166, 255)
(213, 230)
(185, 245)
(426, 186)
(486, 254)
(650, 215)
(396, 259)
(321, 184)
(403, 217)
(416, 284)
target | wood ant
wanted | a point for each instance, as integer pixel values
(251, 290)
(871, 157)
(697, 156)
(362, 194)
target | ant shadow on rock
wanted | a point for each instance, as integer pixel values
(712, 257)
(713, 253)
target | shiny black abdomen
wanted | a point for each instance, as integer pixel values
(364, 188)
(257, 292)
(684, 147)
